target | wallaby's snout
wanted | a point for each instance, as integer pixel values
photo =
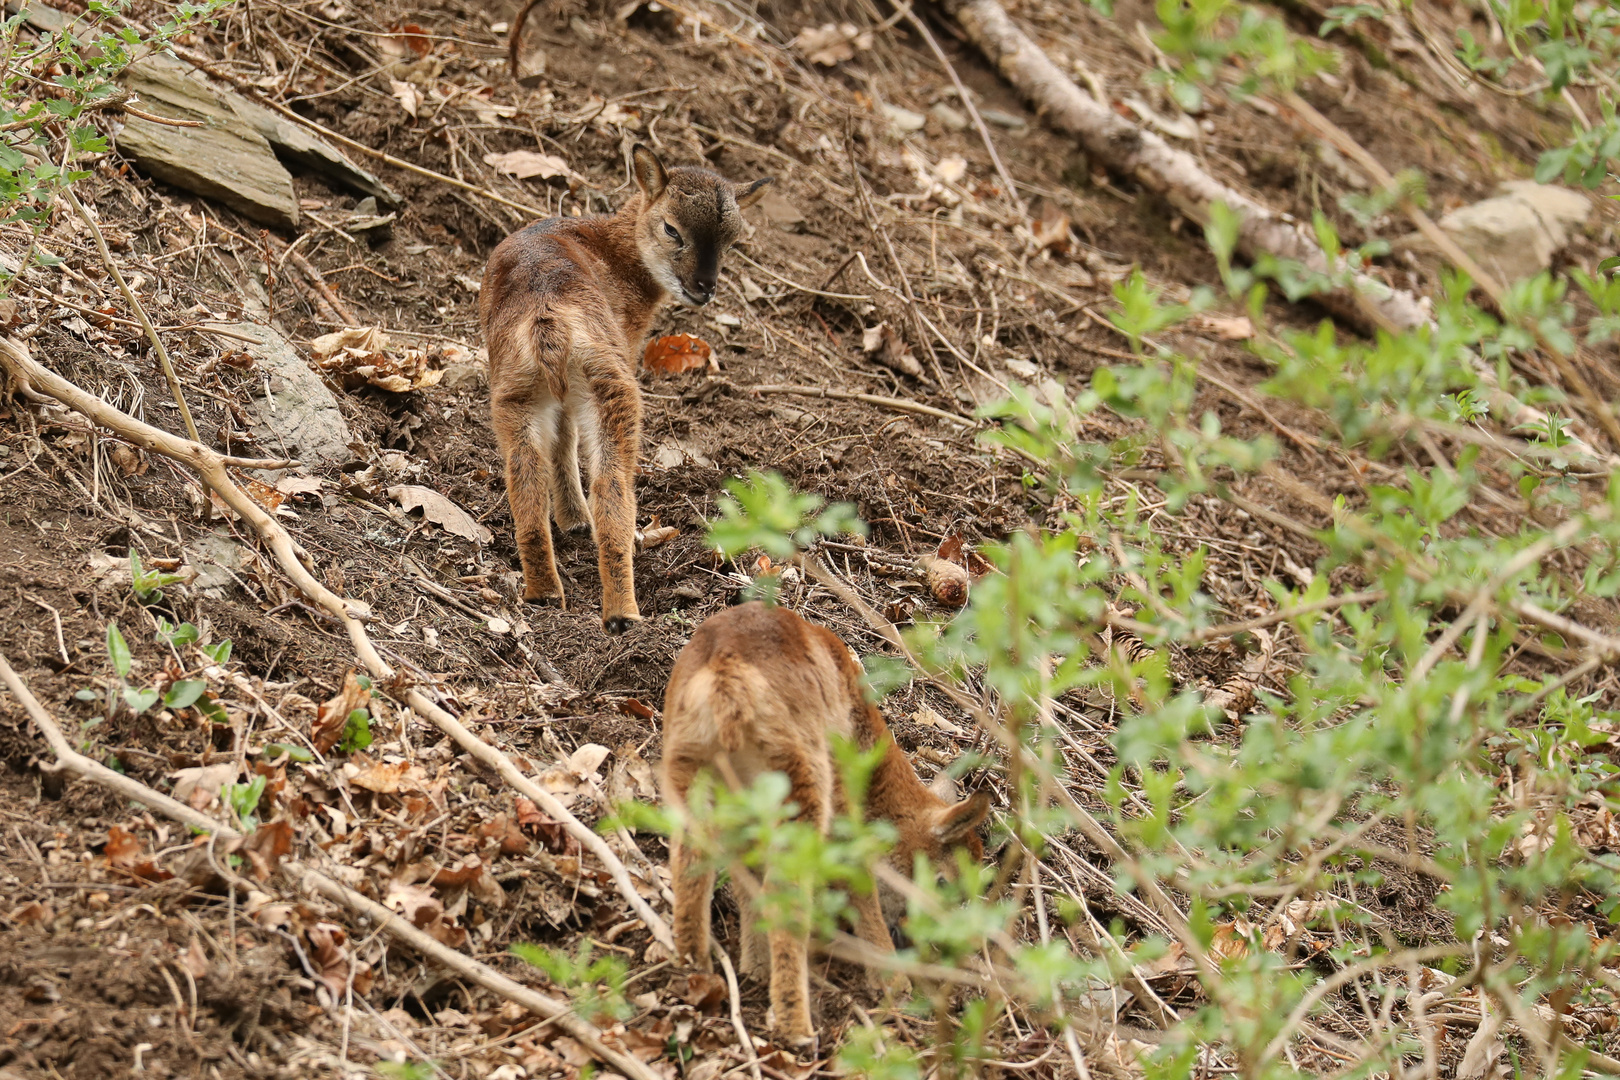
(689, 218)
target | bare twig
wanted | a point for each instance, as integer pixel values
(140, 312)
(210, 467)
(314, 881)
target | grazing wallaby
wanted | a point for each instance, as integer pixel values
(759, 689)
(566, 304)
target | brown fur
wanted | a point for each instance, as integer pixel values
(759, 689)
(565, 306)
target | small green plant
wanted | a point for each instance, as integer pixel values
(176, 636)
(149, 584)
(356, 731)
(596, 983)
(406, 1070)
(243, 799)
(763, 512)
(138, 699)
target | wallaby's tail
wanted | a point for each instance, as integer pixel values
(722, 703)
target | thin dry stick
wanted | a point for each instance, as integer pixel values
(735, 993)
(140, 312)
(209, 466)
(966, 99)
(318, 883)
(896, 404)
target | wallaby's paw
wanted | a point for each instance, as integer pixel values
(799, 1037)
(618, 624)
(582, 529)
(544, 599)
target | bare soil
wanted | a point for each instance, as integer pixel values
(106, 970)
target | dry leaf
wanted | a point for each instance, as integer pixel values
(127, 852)
(412, 37)
(1226, 327)
(704, 991)
(334, 714)
(553, 836)
(266, 846)
(1231, 940)
(299, 485)
(262, 493)
(408, 96)
(929, 718)
(199, 788)
(416, 903)
(194, 960)
(1051, 229)
(30, 913)
(675, 353)
(361, 355)
(385, 778)
(333, 963)
(524, 164)
(503, 830)
(130, 461)
(647, 539)
(888, 347)
(441, 511)
(831, 44)
(568, 779)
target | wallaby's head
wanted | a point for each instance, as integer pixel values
(688, 218)
(938, 826)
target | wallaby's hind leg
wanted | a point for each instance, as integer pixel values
(613, 495)
(524, 430)
(810, 777)
(694, 900)
(568, 497)
(755, 958)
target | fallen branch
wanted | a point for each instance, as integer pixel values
(140, 311)
(1125, 148)
(316, 882)
(895, 404)
(210, 467)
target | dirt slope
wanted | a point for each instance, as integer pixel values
(106, 967)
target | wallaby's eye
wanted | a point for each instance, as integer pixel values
(672, 232)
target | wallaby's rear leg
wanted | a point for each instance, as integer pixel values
(810, 777)
(568, 497)
(694, 899)
(870, 926)
(523, 429)
(613, 495)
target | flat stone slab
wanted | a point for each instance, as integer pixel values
(1515, 233)
(227, 160)
(301, 416)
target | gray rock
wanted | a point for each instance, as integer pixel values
(903, 121)
(1515, 233)
(166, 81)
(300, 417)
(214, 556)
(1016, 124)
(226, 160)
(949, 118)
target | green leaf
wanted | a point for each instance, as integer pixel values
(296, 753)
(118, 650)
(139, 700)
(184, 693)
(219, 652)
(356, 732)
(178, 636)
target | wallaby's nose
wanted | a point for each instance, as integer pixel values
(702, 291)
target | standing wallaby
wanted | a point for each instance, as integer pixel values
(565, 305)
(756, 690)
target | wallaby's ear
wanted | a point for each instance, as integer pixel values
(749, 194)
(648, 171)
(955, 822)
(944, 786)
